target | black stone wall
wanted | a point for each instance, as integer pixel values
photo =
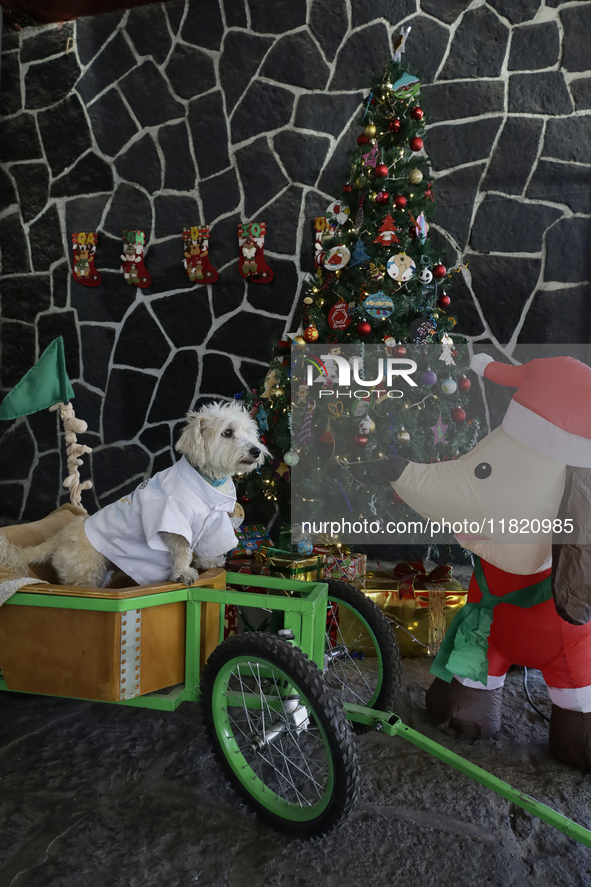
(217, 111)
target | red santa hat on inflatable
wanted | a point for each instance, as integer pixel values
(551, 409)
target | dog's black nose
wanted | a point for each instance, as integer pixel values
(255, 452)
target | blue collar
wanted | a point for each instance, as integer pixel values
(210, 480)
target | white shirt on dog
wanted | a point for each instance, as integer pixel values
(176, 500)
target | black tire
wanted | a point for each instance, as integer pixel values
(362, 631)
(304, 780)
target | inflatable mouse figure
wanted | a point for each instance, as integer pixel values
(536, 468)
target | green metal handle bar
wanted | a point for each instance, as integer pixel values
(392, 725)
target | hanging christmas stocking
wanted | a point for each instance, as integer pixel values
(252, 265)
(199, 268)
(84, 248)
(132, 260)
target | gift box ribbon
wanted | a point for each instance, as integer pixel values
(408, 574)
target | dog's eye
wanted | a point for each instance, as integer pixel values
(482, 471)
(227, 433)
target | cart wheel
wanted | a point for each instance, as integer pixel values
(361, 657)
(280, 734)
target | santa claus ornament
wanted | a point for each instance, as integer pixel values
(196, 261)
(252, 265)
(132, 259)
(84, 249)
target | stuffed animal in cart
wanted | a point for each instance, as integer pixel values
(179, 516)
(534, 469)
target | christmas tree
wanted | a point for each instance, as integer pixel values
(377, 280)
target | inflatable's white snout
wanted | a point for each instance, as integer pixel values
(499, 481)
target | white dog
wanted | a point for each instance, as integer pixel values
(179, 516)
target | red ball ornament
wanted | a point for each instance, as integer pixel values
(399, 201)
(417, 113)
(443, 301)
(416, 144)
(311, 333)
(362, 139)
(399, 351)
(458, 414)
(464, 384)
(382, 198)
(364, 328)
(395, 124)
(360, 441)
(284, 344)
(381, 171)
(245, 498)
(439, 271)
(347, 189)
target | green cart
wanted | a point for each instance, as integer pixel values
(281, 706)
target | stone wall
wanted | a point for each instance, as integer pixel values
(217, 111)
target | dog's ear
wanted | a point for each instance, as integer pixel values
(571, 561)
(191, 443)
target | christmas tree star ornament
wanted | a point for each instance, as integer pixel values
(196, 261)
(251, 264)
(370, 159)
(83, 253)
(132, 259)
(439, 430)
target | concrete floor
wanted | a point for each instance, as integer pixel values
(104, 796)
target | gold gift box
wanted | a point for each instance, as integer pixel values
(288, 565)
(418, 627)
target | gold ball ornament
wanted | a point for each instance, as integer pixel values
(371, 131)
(403, 436)
(360, 183)
(311, 333)
(299, 342)
(415, 176)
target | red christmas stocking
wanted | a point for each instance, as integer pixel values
(132, 260)
(252, 265)
(199, 268)
(84, 247)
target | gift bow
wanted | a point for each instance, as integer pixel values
(408, 573)
(335, 550)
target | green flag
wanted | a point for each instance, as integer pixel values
(45, 384)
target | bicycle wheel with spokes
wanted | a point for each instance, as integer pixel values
(280, 734)
(361, 656)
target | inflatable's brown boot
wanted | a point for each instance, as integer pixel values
(570, 737)
(465, 710)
